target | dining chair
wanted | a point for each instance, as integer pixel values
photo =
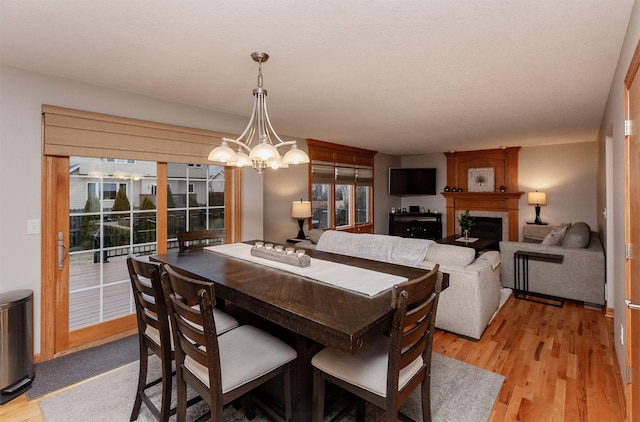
(389, 369)
(198, 239)
(154, 333)
(220, 368)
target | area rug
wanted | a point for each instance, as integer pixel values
(459, 392)
(61, 372)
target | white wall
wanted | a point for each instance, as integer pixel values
(381, 199)
(567, 173)
(252, 203)
(612, 126)
(281, 188)
(22, 95)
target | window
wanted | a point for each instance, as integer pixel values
(195, 199)
(119, 161)
(109, 190)
(341, 186)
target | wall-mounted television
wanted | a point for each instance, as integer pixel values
(412, 181)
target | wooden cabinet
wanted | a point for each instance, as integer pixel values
(424, 225)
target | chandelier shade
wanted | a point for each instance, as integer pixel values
(259, 145)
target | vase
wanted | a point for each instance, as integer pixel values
(465, 233)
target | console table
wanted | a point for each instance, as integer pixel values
(521, 277)
(421, 225)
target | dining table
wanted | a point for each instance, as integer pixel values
(317, 314)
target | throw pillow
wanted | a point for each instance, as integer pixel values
(577, 236)
(314, 235)
(554, 238)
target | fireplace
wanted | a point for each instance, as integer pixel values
(492, 224)
(487, 227)
(501, 202)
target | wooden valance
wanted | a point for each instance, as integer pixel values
(335, 153)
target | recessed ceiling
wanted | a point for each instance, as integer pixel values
(399, 77)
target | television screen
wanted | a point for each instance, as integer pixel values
(412, 181)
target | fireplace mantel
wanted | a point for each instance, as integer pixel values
(484, 201)
(482, 196)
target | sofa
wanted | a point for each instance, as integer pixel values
(473, 296)
(580, 275)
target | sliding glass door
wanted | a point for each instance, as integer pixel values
(103, 210)
(112, 214)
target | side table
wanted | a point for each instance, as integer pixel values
(521, 277)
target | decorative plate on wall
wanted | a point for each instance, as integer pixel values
(481, 179)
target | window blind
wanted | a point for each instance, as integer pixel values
(69, 132)
(345, 175)
(364, 176)
(322, 172)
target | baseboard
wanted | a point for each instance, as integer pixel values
(609, 313)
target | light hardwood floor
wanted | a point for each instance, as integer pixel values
(559, 365)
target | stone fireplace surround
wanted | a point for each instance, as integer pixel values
(498, 204)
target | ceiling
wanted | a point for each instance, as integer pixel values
(399, 77)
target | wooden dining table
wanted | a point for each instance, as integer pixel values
(318, 314)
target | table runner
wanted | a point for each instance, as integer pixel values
(356, 279)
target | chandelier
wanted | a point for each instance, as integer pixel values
(258, 146)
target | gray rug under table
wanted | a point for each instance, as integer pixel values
(459, 392)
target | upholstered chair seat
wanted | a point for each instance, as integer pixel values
(246, 354)
(367, 369)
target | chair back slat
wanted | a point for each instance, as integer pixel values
(151, 312)
(408, 348)
(415, 303)
(148, 297)
(194, 326)
(198, 239)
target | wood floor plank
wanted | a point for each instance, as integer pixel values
(559, 365)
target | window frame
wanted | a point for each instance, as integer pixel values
(339, 156)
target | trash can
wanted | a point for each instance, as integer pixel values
(16, 343)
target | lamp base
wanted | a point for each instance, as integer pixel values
(538, 220)
(301, 234)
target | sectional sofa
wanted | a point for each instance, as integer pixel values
(578, 275)
(473, 296)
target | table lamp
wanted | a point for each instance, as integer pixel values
(537, 198)
(301, 210)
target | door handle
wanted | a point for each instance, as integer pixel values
(632, 305)
(62, 251)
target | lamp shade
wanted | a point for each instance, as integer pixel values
(537, 198)
(301, 209)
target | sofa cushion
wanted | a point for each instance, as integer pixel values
(378, 247)
(555, 236)
(577, 236)
(442, 254)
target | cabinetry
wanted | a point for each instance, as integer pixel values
(422, 225)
